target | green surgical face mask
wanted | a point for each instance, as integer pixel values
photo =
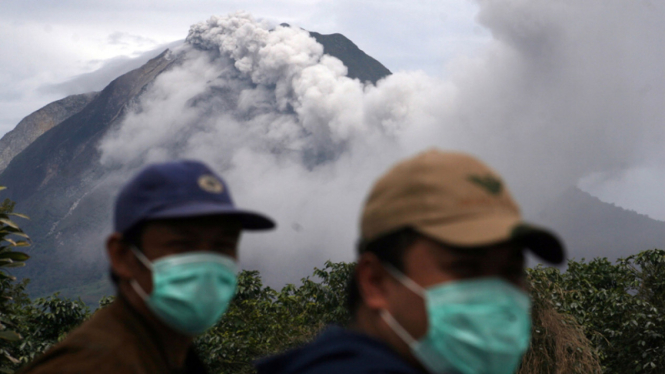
(476, 326)
(190, 291)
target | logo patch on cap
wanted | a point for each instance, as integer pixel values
(489, 183)
(210, 183)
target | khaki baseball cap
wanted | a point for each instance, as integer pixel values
(455, 199)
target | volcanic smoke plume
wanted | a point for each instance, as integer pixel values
(564, 89)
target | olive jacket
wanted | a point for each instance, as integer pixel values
(115, 340)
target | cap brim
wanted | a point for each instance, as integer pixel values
(249, 220)
(488, 230)
(541, 242)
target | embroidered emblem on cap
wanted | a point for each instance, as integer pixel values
(489, 183)
(210, 183)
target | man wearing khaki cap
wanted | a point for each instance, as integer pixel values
(439, 283)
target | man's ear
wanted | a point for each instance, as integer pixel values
(123, 261)
(373, 281)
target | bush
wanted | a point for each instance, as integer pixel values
(262, 321)
(618, 306)
(11, 293)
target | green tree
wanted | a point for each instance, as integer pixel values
(326, 298)
(595, 317)
(27, 328)
(262, 321)
(45, 322)
(558, 342)
(619, 306)
(11, 238)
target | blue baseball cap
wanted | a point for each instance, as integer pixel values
(179, 189)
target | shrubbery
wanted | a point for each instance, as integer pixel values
(596, 317)
(262, 321)
(619, 307)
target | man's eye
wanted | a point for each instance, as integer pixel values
(225, 248)
(466, 269)
(515, 273)
(184, 244)
(225, 243)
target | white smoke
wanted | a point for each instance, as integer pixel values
(279, 119)
(564, 89)
(241, 85)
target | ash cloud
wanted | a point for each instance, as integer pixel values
(564, 89)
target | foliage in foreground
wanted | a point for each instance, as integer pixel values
(262, 321)
(259, 322)
(619, 306)
(596, 317)
(11, 238)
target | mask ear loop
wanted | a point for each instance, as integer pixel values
(406, 281)
(387, 317)
(138, 289)
(144, 260)
(397, 328)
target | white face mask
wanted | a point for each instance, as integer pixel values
(475, 326)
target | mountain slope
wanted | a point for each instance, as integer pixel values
(38, 122)
(55, 179)
(55, 172)
(68, 147)
(592, 228)
(360, 65)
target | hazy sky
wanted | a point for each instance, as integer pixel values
(44, 43)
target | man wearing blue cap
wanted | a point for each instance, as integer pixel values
(173, 261)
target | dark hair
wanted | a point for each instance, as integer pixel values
(132, 237)
(389, 249)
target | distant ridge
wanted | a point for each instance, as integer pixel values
(66, 149)
(592, 228)
(360, 65)
(38, 122)
(53, 176)
(54, 179)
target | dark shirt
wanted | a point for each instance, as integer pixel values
(338, 351)
(115, 340)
